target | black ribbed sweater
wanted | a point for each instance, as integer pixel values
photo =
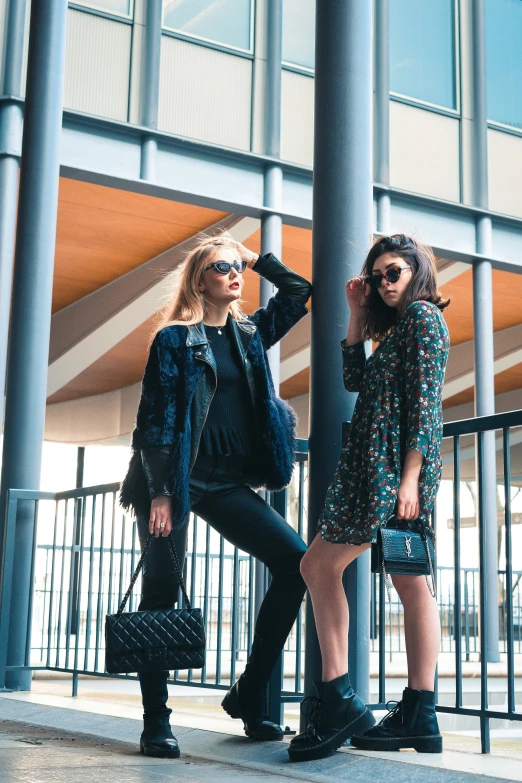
(230, 424)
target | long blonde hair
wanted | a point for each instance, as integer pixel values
(186, 305)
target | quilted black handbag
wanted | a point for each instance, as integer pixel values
(402, 551)
(156, 639)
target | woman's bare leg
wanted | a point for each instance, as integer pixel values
(322, 568)
(421, 630)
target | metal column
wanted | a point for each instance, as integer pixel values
(483, 321)
(11, 120)
(31, 303)
(150, 86)
(272, 242)
(381, 123)
(342, 226)
(271, 225)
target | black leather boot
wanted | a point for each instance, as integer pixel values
(412, 723)
(335, 714)
(157, 739)
(247, 699)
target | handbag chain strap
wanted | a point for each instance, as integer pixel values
(177, 569)
(433, 587)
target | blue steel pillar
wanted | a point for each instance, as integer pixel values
(483, 322)
(271, 225)
(272, 242)
(150, 86)
(31, 301)
(381, 122)
(11, 120)
(342, 229)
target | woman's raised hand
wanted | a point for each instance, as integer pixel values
(246, 254)
(357, 293)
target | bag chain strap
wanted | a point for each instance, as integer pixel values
(177, 569)
(433, 587)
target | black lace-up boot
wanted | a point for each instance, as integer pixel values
(412, 723)
(247, 699)
(334, 715)
(157, 739)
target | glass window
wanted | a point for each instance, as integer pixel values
(111, 6)
(299, 32)
(226, 22)
(504, 61)
(422, 50)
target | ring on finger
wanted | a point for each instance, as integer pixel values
(162, 525)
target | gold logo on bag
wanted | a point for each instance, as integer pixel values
(407, 543)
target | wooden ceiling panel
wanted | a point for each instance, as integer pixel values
(506, 381)
(297, 254)
(507, 311)
(122, 366)
(296, 385)
(103, 233)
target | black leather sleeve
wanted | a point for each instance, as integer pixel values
(155, 461)
(287, 281)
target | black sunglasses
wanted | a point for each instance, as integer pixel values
(224, 267)
(392, 275)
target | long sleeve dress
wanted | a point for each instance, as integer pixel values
(399, 408)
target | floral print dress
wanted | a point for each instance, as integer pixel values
(398, 408)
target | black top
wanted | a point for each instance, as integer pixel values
(230, 424)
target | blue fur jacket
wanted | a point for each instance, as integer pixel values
(178, 375)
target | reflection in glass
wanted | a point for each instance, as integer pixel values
(504, 61)
(299, 32)
(111, 6)
(422, 50)
(225, 22)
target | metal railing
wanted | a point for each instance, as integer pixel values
(470, 591)
(85, 549)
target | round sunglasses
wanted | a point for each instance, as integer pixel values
(392, 275)
(224, 267)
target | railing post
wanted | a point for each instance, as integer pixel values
(6, 583)
(74, 619)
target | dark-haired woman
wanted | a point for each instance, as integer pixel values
(209, 429)
(389, 464)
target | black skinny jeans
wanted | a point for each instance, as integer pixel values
(241, 516)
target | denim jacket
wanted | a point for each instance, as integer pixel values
(177, 390)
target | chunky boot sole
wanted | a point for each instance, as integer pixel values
(263, 736)
(429, 744)
(159, 754)
(320, 751)
(231, 707)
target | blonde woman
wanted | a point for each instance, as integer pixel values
(209, 430)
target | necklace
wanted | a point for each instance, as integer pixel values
(217, 328)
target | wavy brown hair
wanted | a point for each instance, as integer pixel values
(380, 317)
(186, 305)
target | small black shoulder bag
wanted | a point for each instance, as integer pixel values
(155, 639)
(402, 551)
